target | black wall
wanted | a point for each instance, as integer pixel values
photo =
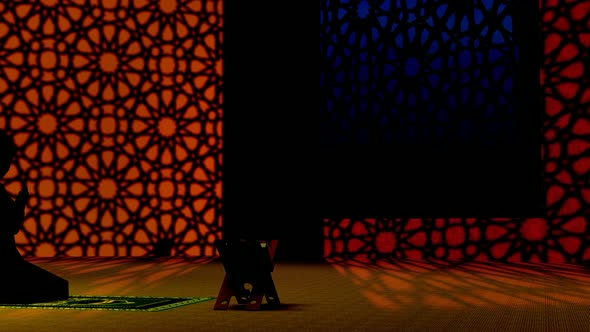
(269, 114)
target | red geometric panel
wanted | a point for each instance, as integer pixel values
(560, 237)
(116, 108)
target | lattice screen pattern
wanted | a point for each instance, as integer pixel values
(116, 109)
(430, 71)
(561, 236)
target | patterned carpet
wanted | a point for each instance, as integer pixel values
(351, 296)
(116, 303)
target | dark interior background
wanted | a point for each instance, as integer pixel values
(429, 109)
(276, 183)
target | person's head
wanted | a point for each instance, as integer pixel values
(7, 152)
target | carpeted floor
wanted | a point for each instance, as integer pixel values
(352, 296)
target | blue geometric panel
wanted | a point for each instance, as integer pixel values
(432, 72)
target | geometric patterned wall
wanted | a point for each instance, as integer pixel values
(429, 72)
(563, 235)
(403, 80)
(116, 108)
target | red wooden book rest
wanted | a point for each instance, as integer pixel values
(248, 266)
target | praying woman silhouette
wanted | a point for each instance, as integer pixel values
(20, 281)
(12, 212)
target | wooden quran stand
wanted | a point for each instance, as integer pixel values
(248, 266)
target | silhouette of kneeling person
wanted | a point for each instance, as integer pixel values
(12, 212)
(20, 281)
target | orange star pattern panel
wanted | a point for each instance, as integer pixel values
(561, 236)
(116, 109)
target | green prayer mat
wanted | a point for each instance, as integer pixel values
(121, 303)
